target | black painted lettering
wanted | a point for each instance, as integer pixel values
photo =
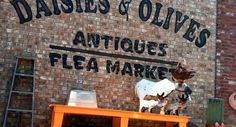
(189, 35)
(138, 70)
(151, 48)
(162, 47)
(117, 40)
(168, 17)
(107, 40)
(93, 39)
(88, 6)
(42, 6)
(79, 38)
(149, 72)
(78, 62)
(157, 14)
(148, 4)
(104, 6)
(92, 64)
(127, 69)
(201, 41)
(123, 7)
(127, 45)
(113, 68)
(178, 23)
(64, 62)
(139, 47)
(67, 6)
(56, 8)
(27, 8)
(78, 6)
(54, 58)
(161, 72)
(172, 70)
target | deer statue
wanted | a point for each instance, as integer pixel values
(153, 94)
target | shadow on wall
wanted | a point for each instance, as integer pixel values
(190, 124)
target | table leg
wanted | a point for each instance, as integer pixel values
(124, 122)
(57, 119)
(115, 122)
(120, 122)
(181, 124)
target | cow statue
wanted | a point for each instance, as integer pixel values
(153, 94)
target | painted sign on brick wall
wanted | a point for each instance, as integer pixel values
(104, 7)
(108, 46)
(110, 43)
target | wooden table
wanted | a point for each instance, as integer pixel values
(120, 118)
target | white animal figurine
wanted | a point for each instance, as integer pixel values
(149, 104)
(156, 92)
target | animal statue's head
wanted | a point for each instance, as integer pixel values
(182, 72)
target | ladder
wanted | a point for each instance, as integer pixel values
(20, 105)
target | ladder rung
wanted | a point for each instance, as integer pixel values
(25, 75)
(27, 58)
(19, 110)
(22, 92)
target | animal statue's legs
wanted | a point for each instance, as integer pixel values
(162, 110)
(149, 109)
(140, 106)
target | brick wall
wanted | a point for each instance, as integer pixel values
(39, 36)
(225, 58)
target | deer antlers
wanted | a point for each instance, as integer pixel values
(158, 97)
(183, 99)
(182, 71)
(161, 97)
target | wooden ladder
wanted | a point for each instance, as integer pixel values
(20, 105)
